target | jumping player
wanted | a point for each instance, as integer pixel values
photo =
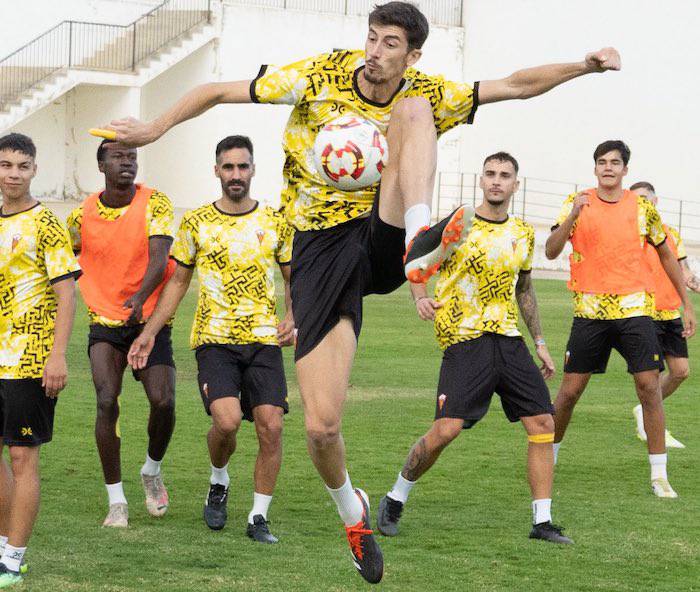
(350, 244)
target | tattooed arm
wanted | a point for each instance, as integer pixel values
(527, 303)
(691, 280)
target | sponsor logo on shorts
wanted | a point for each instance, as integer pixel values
(26, 431)
(441, 401)
(205, 389)
(656, 357)
(567, 355)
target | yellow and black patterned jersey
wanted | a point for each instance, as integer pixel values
(235, 255)
(669, 315)
(615, 306)
(35, 252)
(160, 217)
(321, 89)
(477, 283)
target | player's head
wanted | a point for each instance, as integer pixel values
(611, 158)
(397, 31)
(17, 165)
(499, 178)
(645, 189)
(234, 166)
(118, 163)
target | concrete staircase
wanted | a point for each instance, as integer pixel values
(113, 63)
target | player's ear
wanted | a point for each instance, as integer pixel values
(481, 181)
(516, 186)
(413, 56)
(216, 171)
(624, 171)
(252, 169)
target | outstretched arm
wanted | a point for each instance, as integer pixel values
(531, 82)
(527, 303)
(132, 132)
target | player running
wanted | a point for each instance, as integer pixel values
(610, 229)
(477, 295)
(123, 236)
(234, 243)
(37, 292)
(350, 244)
(667, 316)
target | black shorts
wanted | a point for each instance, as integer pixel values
(26, 413)
(671, 340)
(472, 371)
(252, 372)
(592, 340)
(333, 269)
(121, 338)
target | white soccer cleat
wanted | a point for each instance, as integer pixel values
(118, 516)
(662, 488)
(671, 442)
(157, 500)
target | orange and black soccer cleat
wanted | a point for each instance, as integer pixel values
(366, 554)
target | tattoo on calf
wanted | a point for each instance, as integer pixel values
(415, 461)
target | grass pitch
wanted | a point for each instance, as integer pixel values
(464, 528)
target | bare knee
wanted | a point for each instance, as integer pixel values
(322, 434)
(412, 110)
(163, 405)
(24, 460)
(679, 373)
(227, 424)
(444, 431)
(539, 424)
(107, 404)
(269, 433)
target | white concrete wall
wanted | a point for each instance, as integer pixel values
(20, 25)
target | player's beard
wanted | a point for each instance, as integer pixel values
(234, 194)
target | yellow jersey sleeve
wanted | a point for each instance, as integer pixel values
(284, 85)
(285, 237)
(565, 210)
(653, 227)
(160, 215)
(74, 223)
(54, 248)
(184, 249)
(680, 246)
(457, 105)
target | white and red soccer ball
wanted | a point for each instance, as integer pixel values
(350, 153)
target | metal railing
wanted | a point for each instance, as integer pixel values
(438, 12)
(97, 46)
(539, 201)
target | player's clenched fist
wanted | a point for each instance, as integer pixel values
(604, 59)
(580, 201)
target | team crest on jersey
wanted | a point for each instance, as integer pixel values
(15, 240)
(514, 244)
(441, 401)
(260, 233)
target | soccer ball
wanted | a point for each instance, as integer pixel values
(350, 153)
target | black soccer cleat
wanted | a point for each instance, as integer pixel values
(431, 246)
(366, 554)
(215, 509)
(546, 531)
(388, 516)
(259, 531)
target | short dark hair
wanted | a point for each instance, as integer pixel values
(609, 146)
(101, 149)
(231, 142)
(18, 143)
(503, 157)
(643, 185)
(404, 15)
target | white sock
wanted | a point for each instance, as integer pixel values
(3, 542)
(151, 467)
(261, 503)
(220, 476)
(639, 416)
(349, 504)
(658, 466)
(415, 218)
(541, 510)
(12, 557)
(115, 491)
(556, 446)
(401, 489)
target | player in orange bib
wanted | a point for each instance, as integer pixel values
(667, 316)
(123, 235)
(610, 229)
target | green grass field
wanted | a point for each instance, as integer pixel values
(465, 527)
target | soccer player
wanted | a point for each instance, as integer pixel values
(350, 244)
(37, 296)
(479, 289)
(123, 236)
(667, 316)
(234, 243)
(609, 229)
